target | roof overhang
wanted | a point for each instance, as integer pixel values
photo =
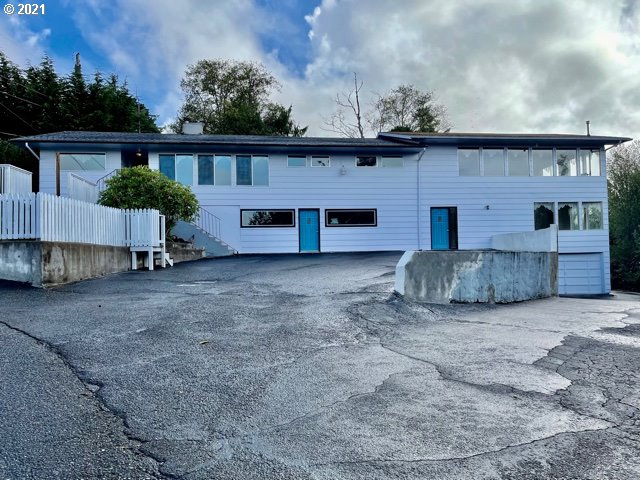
(503, 140)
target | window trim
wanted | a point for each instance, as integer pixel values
(334, 225)
(253, 170)
(376, 165)
(320, 166)
(297, 156)
(401, 157)
(292, 210)
(82, 153)
(197, 169)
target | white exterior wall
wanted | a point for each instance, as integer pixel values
(48, 168)
(392, 191)
(510, 201)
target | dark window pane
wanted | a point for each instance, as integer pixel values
(368, 161)
(267, 218)
(542, 215)
(568, 216)
(243, 170)
(351, 218)
(205, 169)
(168, 166)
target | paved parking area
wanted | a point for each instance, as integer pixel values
(308, 367)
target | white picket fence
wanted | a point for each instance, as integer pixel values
(14, 179)
(45, 217)
(82, 189)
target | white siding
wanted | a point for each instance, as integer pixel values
(392, 191)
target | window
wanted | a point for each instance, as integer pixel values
(351, 218)
(296, 161)
(567, 165)
(366, 161)
(205, 169)
(222, 170)
(184, 169)
(568, 216)
(214, 170)
(168, 166)
(177, 167)
(590, 162)
(267, 218)
(83, 161)
(543, 215)
(542, 163)
(592, 215)
(493, 161)
(252, 170)
(320, 161)
(468, 162)
(392, 162)
(518, 162)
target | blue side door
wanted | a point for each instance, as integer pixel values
(440, 229)
(309, 221)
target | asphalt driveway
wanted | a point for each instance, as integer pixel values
(308, 367)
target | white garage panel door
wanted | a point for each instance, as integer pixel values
(580, 274)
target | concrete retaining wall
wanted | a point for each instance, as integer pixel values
(477, 276)
(44, 264)
(545, 240)
(184, 252)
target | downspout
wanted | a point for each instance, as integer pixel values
(26, 144)
(418, 199)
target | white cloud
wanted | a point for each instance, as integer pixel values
(498, 65)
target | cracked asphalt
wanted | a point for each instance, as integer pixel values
(308, 367)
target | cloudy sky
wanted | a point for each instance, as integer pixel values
(497, 65)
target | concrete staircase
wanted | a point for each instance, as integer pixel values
(203, 237)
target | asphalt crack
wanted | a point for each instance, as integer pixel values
(93, 390)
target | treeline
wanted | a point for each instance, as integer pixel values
(36, 100)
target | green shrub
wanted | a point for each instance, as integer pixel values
(141, 187)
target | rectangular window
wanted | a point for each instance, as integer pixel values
(83, 161)
(518, 162)
(177, 167)
(590, 162)
(543, 215)
(168, 166)
(222, 170)
(367, 161)
(267, 218)
(351, 218)
(542, 163)
(320, 161)
(205, 170)
(592, 215)
(468, 162)
(493, 162)
(184, 169)
(260, 166)
(243, 170)
(392, 162)
(567, 164)
(568, 216)
(296, 161)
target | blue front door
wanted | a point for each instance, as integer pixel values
(440, 229)
(309, 221)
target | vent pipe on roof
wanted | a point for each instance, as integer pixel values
(588, 132)
(193, 128)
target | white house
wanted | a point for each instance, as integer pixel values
(400, 191)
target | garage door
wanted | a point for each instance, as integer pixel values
(580, 274)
